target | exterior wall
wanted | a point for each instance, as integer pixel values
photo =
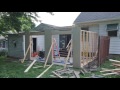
(114, 41)
(101, 29)
(17, 51)
(40, 42)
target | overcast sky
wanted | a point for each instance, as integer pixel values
(59, 18)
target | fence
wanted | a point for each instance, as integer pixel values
(104, 42)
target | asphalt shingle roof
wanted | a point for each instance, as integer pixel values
(91, 16)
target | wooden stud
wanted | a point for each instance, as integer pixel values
(76, 74)
(118, 69)
(67, 57)
(30, 66)
(57, 74)
(44, 71)
(114, 60)
(109, 74)
(83, 46)
(48, 54)
(87, 46)
(57, 47)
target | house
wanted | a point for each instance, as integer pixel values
(105, 24)
(18, 43)
(3, 43)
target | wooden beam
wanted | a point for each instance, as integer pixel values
(109, 74)
(118, 69)
(68, 43)
(76, 74)
(114, 60)
(48, 54)
(118, 65)
(30, 66)
(44, 71)
(57, 74)
(87, 42)
(57, 47)
(83, 46)
(67, 57)
(40, 66)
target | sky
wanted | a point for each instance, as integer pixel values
(58, 19)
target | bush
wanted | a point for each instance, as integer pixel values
(3, 52)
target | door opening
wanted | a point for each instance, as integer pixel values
(34, 44)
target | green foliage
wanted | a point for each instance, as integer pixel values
(3, 52)
(17, 21)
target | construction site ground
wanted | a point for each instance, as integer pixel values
(13, 68)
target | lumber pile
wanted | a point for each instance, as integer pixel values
(115, 71)
(65, 73)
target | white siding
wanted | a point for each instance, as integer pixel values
(40, 42)
(114, 45)
(114, 41)
(94, 28)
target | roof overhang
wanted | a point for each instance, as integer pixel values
(98, 21)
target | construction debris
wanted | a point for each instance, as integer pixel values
(76, 74)
(66, 73)
(115, 71)
(44, 71)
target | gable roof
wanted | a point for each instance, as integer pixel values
(93, 16)
(42, 27)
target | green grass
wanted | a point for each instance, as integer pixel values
(11, 68)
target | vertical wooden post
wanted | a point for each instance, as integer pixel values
(83, 46)
(87, 46)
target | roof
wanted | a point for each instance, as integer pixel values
(93, 16)
(43, 27)
(2, 37)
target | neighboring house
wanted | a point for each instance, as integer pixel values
(105, 24)
(18, 43)
(3, 43)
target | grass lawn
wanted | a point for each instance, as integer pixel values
(15, 69)
(10, 68)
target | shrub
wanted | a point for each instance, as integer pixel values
(3, 52)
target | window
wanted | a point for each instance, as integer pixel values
(112, 30)
(85, 28)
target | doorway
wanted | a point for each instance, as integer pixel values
(34, 44)
(64, 40)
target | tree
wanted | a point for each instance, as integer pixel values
(17, 21)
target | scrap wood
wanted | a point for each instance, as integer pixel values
(57, 74)
(30, 66)
(114, 60)
(76, 74)
(40, 66)
(118, 65)
(110, 74)
(81, 71)
(111, 70)
(48, 55)
(44, 71)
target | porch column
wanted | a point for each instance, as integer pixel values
(48, 42)
(76, 46)
(27, 42)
